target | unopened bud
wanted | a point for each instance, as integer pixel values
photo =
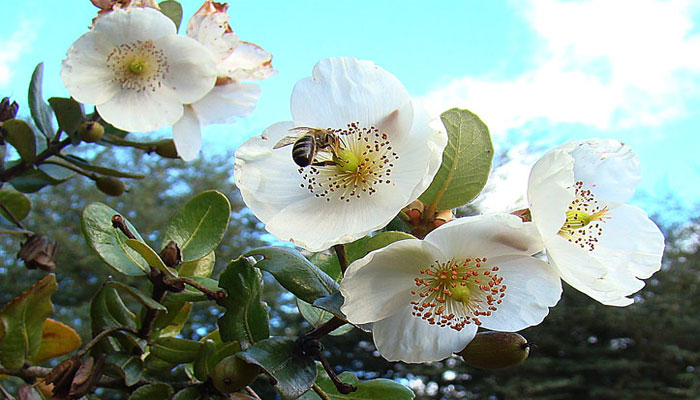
(496, 350)
(38, 252)
(110, 186)
(442, 217)
(90, 131)
(171, 254)
(233, 374)
(414, 210)
(8, 110)
(166, 149)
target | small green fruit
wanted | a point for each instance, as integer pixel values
(110, 185)
(166, 149)
(233, 374)
(90, 131)
(496, 350)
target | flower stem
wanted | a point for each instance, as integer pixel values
(342, 256)
(14, 219)
(320, 392)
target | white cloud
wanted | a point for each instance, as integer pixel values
(13, 47)
(599, 62)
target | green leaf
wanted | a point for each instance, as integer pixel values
(202, 364)
(128, 366)
(17, 203)
(109, 242)
(86, 166)
(466, 161)
(107, 310)
(245, 320)
(142, 297)
(36, 178)
(332, 304)
(176, 350)
(317, 317)
(69, 114)
(153, 391)
(171, 324)
(21, 136)
(292, 373)
(23, 319)
(201, 267)
(376, 389)
(189, 393)
(193, 294)
(200, 225)
(383, 239)
(173, 10)
(41, 112)
(295, 272)
(151, 257)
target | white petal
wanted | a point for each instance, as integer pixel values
(608, 167)
(225, 102)
(550, 191)
(437, 140)
(379, 284)
(191, 67)
(187, 135)
(142, 111)
(344, 90)
(211, 28)
(403, 337)
(532, 287)
(127, 26)
(247, 62)
(488, 235)
(85, 73)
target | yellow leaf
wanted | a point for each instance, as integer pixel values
(57, 339)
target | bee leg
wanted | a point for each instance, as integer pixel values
(325, 163)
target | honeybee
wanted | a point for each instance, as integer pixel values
(308, 142)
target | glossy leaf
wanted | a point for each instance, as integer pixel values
(332, 304)
(295, 272)
(69, 114)
(128, 366)
(41, 112)
(86, 166)
(246, 319)
(175, 350)
(466, 161)
(57, 339)
(22, 322)
(153, 391)
(171, 324)
(21, 136)
(17, 203)
(292, 373)
(107, 310)
(189, 393)
(375, 389)
(43, 175)
(173, 10)
(203, 362)
(317, 317)
(201, 267)
(109, 242)
(383, 239)
(200, 225)
(150, 255)
(142, 297)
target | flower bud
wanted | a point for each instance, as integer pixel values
(233, 374)
(442, 217)
(496, 350)
(8, 110)
(166, 149)
(38, 252)
(110, 186)
(90, 131)
(414, 210)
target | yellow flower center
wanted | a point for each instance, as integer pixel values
(457, 292)
(583, 219)
(138, 66)
(364, 161)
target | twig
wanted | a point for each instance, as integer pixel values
(104, 334)
(320, 392)
(52, 149)
(118, 222)
(342, 256)
(13, 218)
(7, 395)
(313, 348)
(323, 330)
(211, 294)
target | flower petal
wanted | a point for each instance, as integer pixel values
(187, 135)
(550, 191)
(403, 337)
(486, 235)
(210, 27)
(191, 67)
(247, 62)
(142, 111)
(379, 284)
(225, 102)
(85, 73)
(127, 26)
(532, 287)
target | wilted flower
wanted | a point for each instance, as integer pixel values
(387, 155)
(426, 298)
(107, 6)
(600, 245)
(137, 71)
(235, 61)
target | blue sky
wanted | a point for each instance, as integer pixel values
(537, 72)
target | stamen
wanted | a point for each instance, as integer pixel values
(583, 219)
(138, 66)
(450, 294)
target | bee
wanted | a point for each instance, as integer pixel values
(308, 142)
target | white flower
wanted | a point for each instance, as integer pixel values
(136, 69)
(426, 298)
(600, 245)
(391, 150)
(235, 61)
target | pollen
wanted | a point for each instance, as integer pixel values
(372, 158)
(457, 293)
(584, 219)
(139, 66)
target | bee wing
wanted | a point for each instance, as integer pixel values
(286, 141)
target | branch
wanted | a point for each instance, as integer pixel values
(342, 256)
(52, 149)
